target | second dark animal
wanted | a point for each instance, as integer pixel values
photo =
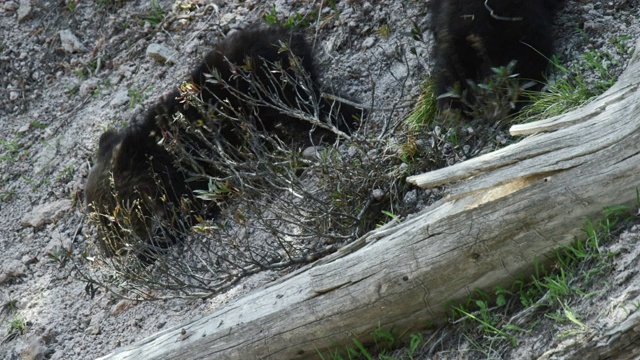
(474, 36)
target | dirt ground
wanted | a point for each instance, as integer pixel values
(71, 69)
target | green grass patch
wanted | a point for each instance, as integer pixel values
(295, 21)
(571, 87)
(577, 266)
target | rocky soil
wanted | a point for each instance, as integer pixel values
(70, 69)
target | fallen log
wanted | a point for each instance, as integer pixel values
(501, 211)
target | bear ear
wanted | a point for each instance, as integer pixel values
(117, 146)
(108, 140)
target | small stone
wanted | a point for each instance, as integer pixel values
(28, 259)
(411, 197)
(591, 26)
(93, 330)
(312, 152)
(368, 42)
(12, 269)
(367, 8)
(24, 10)
(373, 153)
(34, 349)
(352, 151)
(97, 318)
(13, 95)
(120, 99)
(180, 24)
(45, 158)
(159, 53)
(120, 307)
(46, 213)
(58, 243)
(10, 6)
(70, 42)
(377, 194)
(88, 86)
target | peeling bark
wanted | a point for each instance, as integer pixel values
(503, 210)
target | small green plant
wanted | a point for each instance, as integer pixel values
(296, 20)
(73, 89)
(27, 179)
(155, 15)
(60, 256)
(475, 123)
(271, 16)
(634, 304)
(415, 340)
(425, 110)
(620, 45)
(11, 151)
(487, 322)
(569, 88)
(135, 97)
(96, 92)
(66, 174)
(359, 351)
(72, 5)
(565, 314)
(35, 185)
(555, 285)
(389, 214)
(7, 195)
(332, 5)
(93, 65)
(18, 325)
(216, 191)
(80, 73)
(384, 31)
(385, 347)
(38, 125)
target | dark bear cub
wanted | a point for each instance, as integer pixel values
(262, 78)
(474, 36)
(130, 188)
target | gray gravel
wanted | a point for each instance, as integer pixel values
(68, 71)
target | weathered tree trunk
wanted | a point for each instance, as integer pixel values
(506, 208)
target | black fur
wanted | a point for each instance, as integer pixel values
(254, 49)
(145, 172)
(470, 40)
(125, 183)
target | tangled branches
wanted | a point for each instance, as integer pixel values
(277, 179)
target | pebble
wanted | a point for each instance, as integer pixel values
(12, 269)
(368, 42)
(119, 99)
(160, 53)
(24, 11)
(10, 6)
(70, 42)
(88, 86)
(46, 213)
